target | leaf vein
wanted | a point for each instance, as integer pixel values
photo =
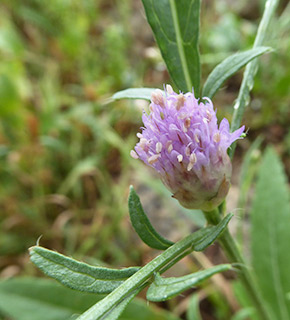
(160, 25)
(276, 272)
(179, 45)
(79, 272)
(187, 21)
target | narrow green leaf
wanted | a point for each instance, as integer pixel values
(142, 224)
(166, 288)
(83, 167)
(244, 314)
(244, 300)
(175, 25)
(248, 170)
(270, 217)
(228, 67)
(134, 93)
(193, 308)
(212, 234)
(159, 264)
(251, 70)
(78, 275)
(248, 173)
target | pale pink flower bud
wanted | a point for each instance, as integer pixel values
(182, 141)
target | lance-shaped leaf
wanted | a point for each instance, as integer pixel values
(166, 288)
(228, 67)
(270, 237)
(78, 275)
(142, 224)
(175, 24)
(134, 93)
(212, 234)
(160, 264)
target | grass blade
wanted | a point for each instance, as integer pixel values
(229, 67)
(142, 224)
(251, 70)
(193, 308)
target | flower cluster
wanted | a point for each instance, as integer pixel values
(181, 140)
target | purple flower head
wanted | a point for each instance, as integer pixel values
(181, 140)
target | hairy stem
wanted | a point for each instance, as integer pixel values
(229, 246)
(160, 264)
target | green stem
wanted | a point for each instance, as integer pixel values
(160, 264)
(234, 255)
(250, 71)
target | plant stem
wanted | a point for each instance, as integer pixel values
(250, 71)
(229, 245)
(160, 264)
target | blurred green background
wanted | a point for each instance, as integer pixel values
(65, 167)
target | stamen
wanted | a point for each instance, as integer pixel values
(192, 161)
(187, 151)
(196, 138)
(180, 101)
(169, 89)
(217, 137)
(139, 135)
(209, 116)
(190, 166)
(133, 154)
(182, 115)
(158, 147)
(153, 158)
(180, 158)
(169, 146)
(193, 158)
(143, 142)
(187, 122)
(157, 98)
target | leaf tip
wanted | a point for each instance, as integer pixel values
(34, 250)
(31, 249)
(132, 192)
(269, 49)
(230, 215)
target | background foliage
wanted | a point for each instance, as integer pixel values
(64, 146)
